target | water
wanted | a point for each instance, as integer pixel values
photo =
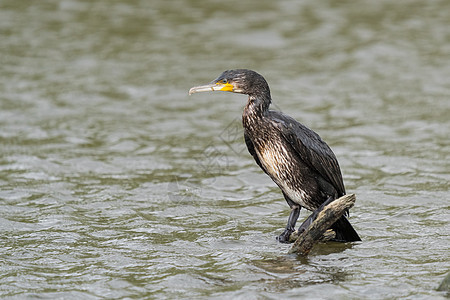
(115, 184)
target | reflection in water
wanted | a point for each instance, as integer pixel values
(285, 273)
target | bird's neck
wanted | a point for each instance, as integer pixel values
(255, 110)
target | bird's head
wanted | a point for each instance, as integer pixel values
(240, 81)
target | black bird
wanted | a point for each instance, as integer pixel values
(294, 156)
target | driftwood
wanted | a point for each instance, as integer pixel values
(319, 229)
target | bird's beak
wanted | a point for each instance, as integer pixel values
(226, 87)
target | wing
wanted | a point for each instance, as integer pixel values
(311, 149)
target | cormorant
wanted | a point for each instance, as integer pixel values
(294, 156)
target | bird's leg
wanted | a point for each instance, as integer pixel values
(290, 227)
(314, 215)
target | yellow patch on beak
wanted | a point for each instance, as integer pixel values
(227, 87)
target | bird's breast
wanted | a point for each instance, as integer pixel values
(274, 160)
(279, 164)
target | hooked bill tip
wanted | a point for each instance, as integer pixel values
(202, 88)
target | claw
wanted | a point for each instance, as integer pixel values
(284, 237)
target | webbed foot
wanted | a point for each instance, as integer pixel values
(284, 237)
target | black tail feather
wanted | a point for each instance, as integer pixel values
(342, 227)
(344, 231)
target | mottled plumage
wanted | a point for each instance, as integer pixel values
(292, 155)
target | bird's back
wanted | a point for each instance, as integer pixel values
(296, 159)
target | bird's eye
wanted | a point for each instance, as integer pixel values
(224, 81)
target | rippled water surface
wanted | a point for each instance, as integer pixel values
(115, 184)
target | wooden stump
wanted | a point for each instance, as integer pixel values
(319, 229)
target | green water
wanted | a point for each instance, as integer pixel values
(114, 183)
